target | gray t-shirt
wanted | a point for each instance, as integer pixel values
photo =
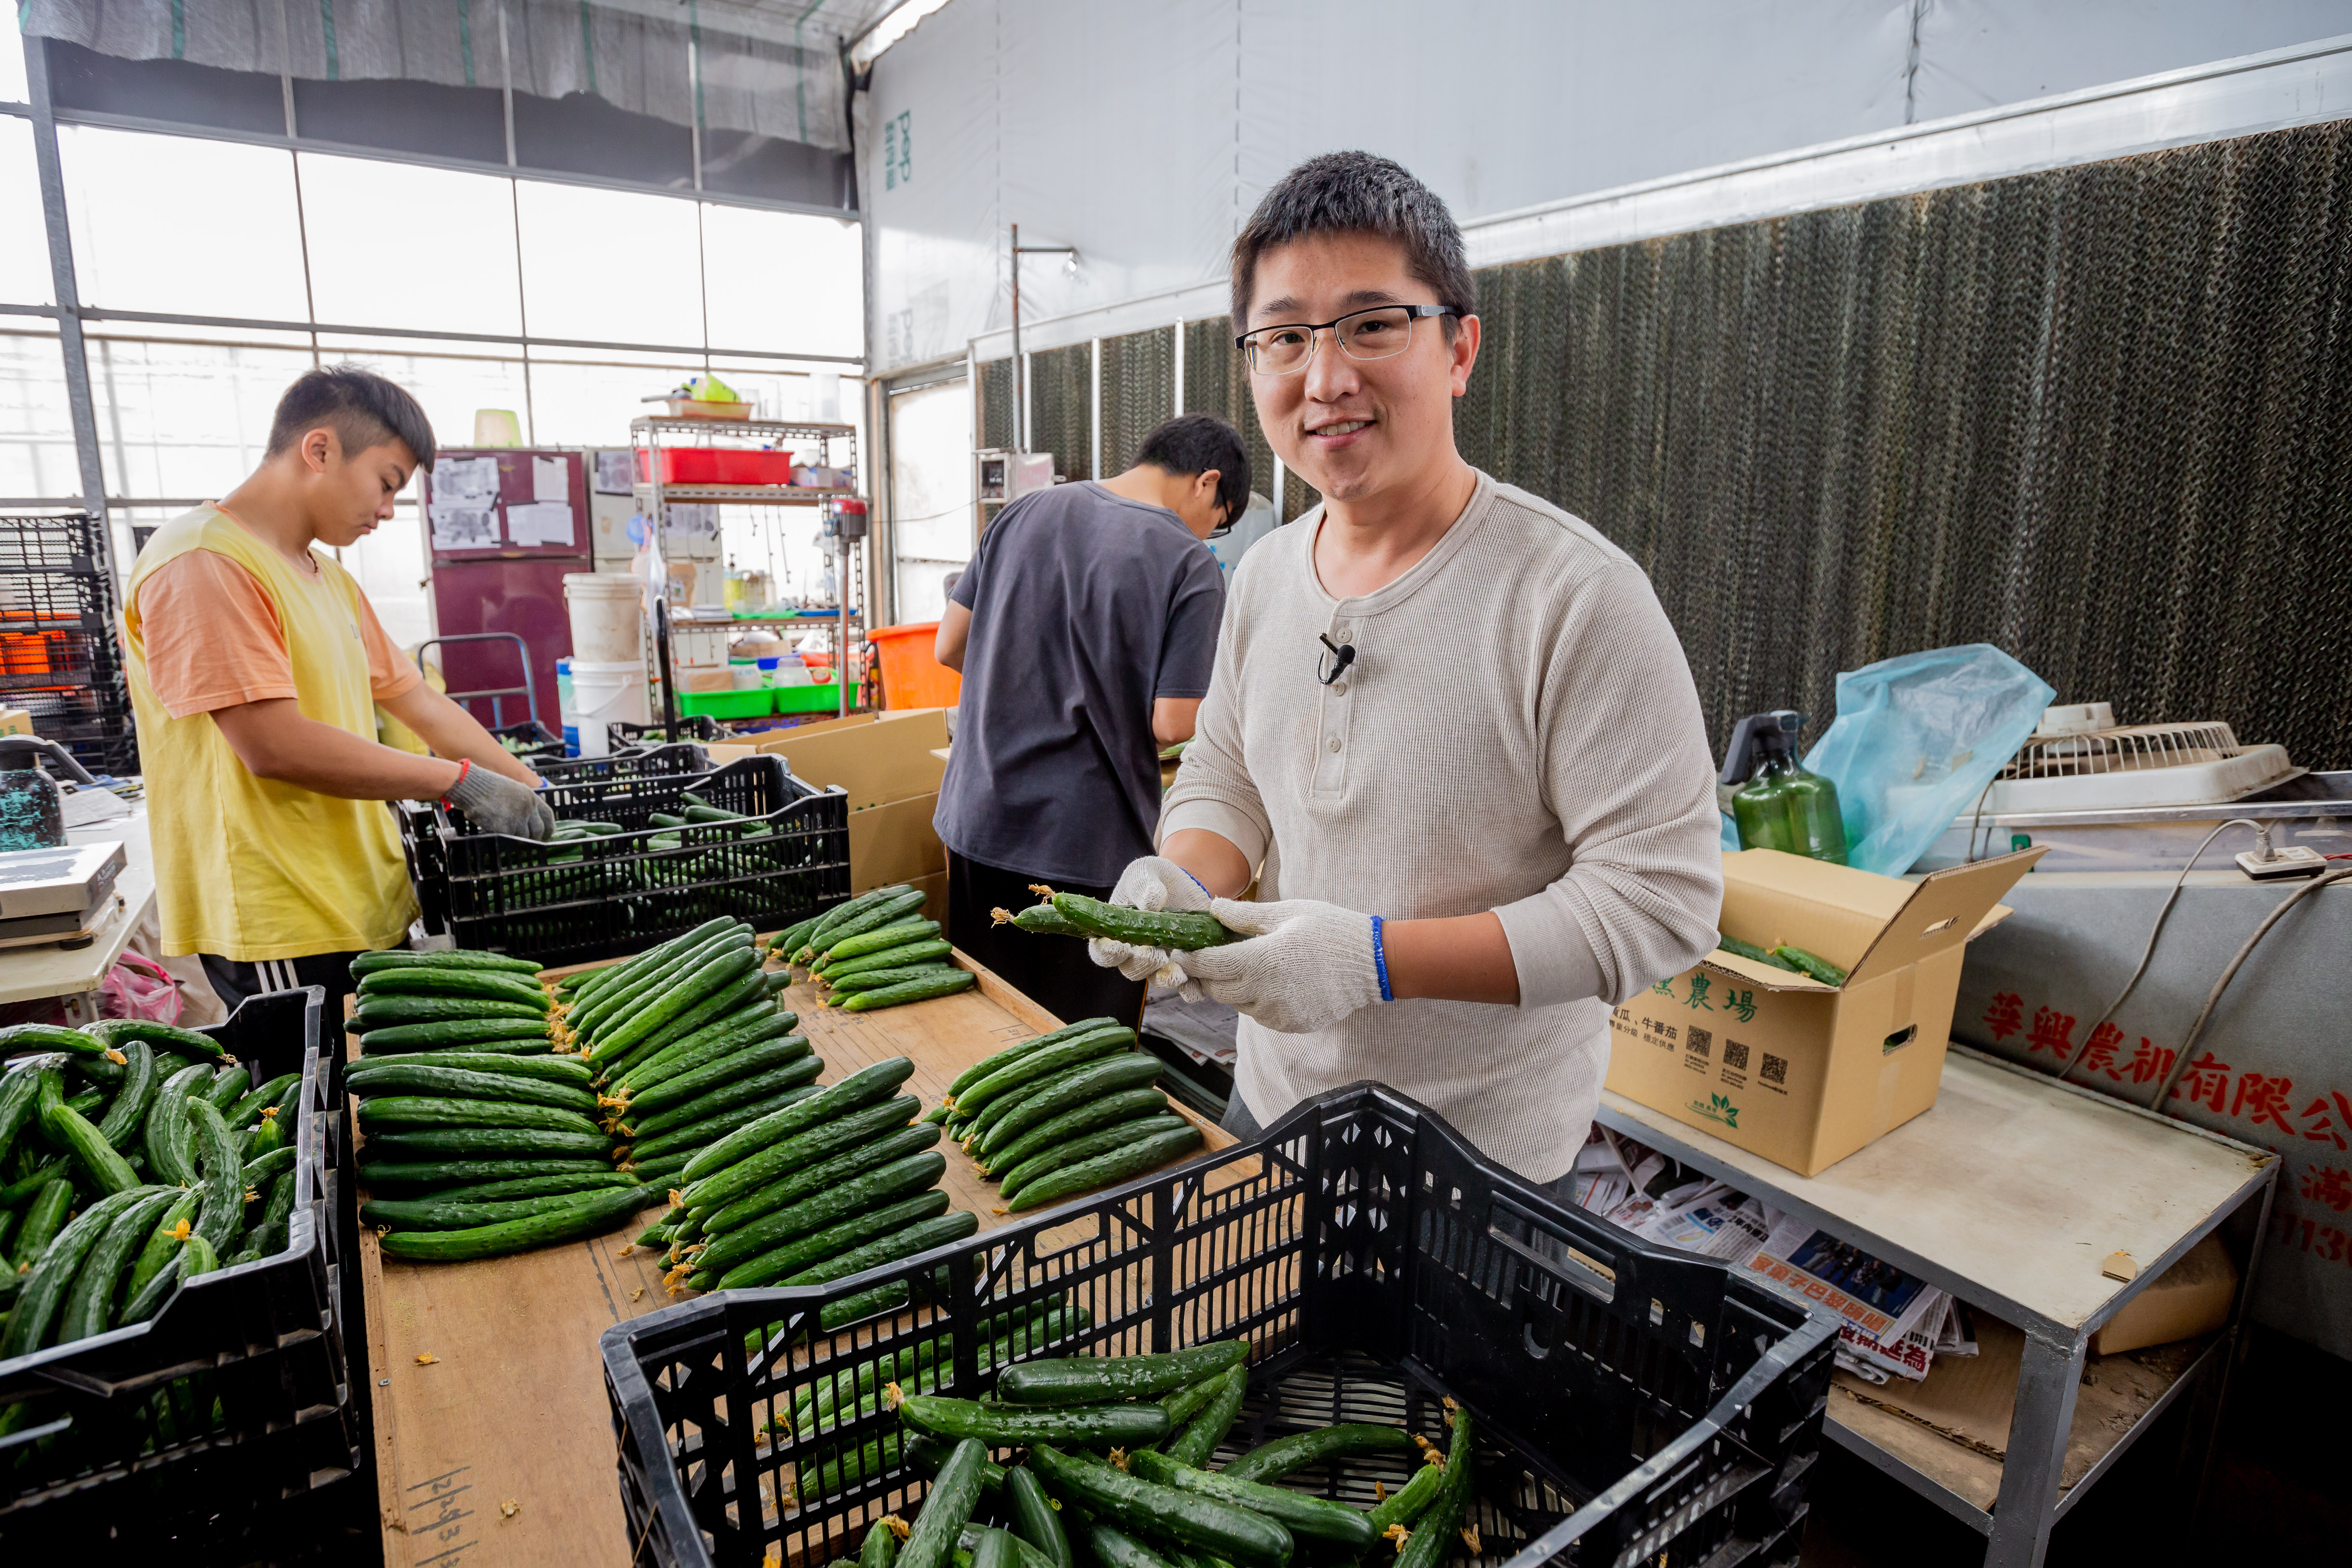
(1086, 607)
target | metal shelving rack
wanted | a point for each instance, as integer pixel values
(837, 448)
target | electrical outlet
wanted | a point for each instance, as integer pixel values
(2290, 862)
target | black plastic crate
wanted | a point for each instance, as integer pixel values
(38, 600)
(90, 1472)
(65, 541)
(428, 869)
(578, 900)
(538, 742)
(1635, 1405)
(34, 658)
(700, 727)
(672, 762)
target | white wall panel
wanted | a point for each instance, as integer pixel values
(928, 176)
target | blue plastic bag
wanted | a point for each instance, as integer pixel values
(1916, 740)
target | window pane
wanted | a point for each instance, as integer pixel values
(609, 266)
(184, 421)
(25, 260)
(930, 493)
(12, 66)
(184, 226)
(785, 282)
(398, 244)
(452, 385)
(36, 444)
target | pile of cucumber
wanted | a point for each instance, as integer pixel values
(448, 1001)
(842, 1181)
(1119, 1454)
(1795, 960)
(876, 950)
(133, 1156)
(1065, 1113)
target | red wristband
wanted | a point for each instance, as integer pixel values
(465, 767)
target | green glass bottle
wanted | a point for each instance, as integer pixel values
(1781, 807)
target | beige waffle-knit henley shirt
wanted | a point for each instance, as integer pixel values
(1519, 732)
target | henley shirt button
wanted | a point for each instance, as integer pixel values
(1334, 743)
(1339, 689)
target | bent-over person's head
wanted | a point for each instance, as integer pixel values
(347, 440)
(1206, 450)
(1353, 305)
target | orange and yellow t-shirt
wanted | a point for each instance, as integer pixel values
(247, 867)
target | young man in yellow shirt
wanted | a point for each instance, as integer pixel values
(257, 667)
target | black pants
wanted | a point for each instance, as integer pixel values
(233, 981)
(1052, 971)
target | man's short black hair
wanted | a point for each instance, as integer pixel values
(1356, 193)
(1195, 442)
(361, 408)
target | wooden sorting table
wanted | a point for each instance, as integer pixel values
(493, 1435)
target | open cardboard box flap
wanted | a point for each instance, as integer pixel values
(1866, 923)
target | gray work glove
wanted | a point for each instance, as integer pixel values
(498, 804)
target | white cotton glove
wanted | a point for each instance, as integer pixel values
(1150, 882)
(1306, 966)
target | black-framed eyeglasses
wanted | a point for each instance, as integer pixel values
(1377, 333)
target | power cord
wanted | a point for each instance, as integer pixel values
(2148, 952)
(2213, 997)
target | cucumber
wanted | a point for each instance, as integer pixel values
(168, 1038)
(162, 1245)
(819, 1177)
(391, 1012)
(865, 1087)
(488, 1142)
(89, 1102)
(72, 1131)
(1042, 919)
(1191, 1399)
(1319, 1517)
(954, 1493)
(268, 1236)
(387, 1173)
(533, 1187)
(1347, 1439)
(19, 1092)
(876, 979)
(457, 1082)
(658, 1174)
(1010, 1054)
(1114, 1548)
(593, 1215)
(44, 1217)
(1185, 931)
(825, 1137)
(910, 1242)
(911, 991)
(1748, 950)
(128, 1112)
(1428, 1545)
(499, 1035)
(755, 1023)
(660, 985)
(259, 1169)
(197, 1257)
(1075, 1051)
(1130, 1502)
(892, 910)
(220, 1154)
(569, 1070)
(597, 983)
(1104, 1169)
(789, 939)
(403, 1111)
(148, 1300)
(712, 979)
(737, 1001)
(44, 1289)
(1199, 1440)
(162, 1139)
(78, 1043)
(681, 1142)
(1092, 1145)
(1809, 964)
(684, 1087)
(1082, 1086)
(1127, 1105)
(880, 1549)
(1034, 1517)
(255, 1100)
(440, 1212)
(876, 940)
(824, 1246)
(796, 1070)
(885, 1185)
(462, 982)
(1096, 1380)
(898, 957)
(454, 958)
(1406, 1503)
(998, 1426)
(267, 1136)
(991, 1548)
(225, 1089)
(841, 914)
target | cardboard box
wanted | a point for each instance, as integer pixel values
(16, 721)
(885, 764)
(1779, 1063)
(2190, 1298)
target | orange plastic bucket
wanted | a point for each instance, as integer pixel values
(911, 678)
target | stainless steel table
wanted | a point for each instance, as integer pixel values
(2010, 1193)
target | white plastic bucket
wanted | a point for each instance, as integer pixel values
(606, 612)
(605, 692)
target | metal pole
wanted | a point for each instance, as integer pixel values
(1179, 365)
(69, 297)
(1094, 415)
(1020, 400)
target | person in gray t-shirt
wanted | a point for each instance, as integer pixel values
(1086, 628)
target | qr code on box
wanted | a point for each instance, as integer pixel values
(1700, 1042)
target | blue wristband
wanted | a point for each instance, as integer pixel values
(1380, 961)
(1198, 883)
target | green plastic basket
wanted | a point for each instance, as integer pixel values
(756, 703)
(817, 697)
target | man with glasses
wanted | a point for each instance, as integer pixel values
(1085, 630)
(1451, 735)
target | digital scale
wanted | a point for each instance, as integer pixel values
(60, 896)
